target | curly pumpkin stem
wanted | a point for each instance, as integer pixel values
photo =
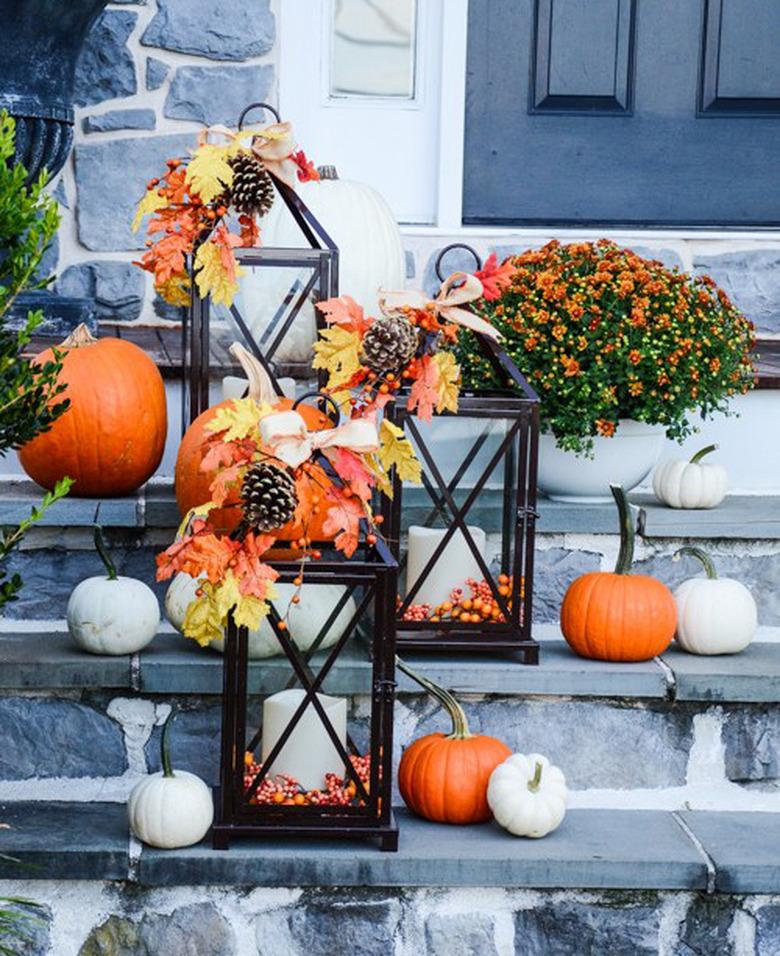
(165, 745)
(701, 453)
(261, 388)
(706, 560)
(460, 725)
(625, 556)
(535, 782)
(79, 337)
(102, 550)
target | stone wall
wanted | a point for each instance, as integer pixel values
(94, 919)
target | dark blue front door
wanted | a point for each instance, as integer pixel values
(637, 112)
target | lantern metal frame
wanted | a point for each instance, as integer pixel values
(373, 574)
(321, 259)
(517, 405)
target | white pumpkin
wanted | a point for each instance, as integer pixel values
(714, 615)
(371, 256)
(527, 795)
(170, 809)
(690, 484)
(112, 614)
(304, 620)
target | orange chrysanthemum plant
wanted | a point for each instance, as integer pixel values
(193, 213)
(334, 471)
(603, 334)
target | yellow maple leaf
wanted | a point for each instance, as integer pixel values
(209, 173)
(177, 290)
(381, 477)
(238, 419)
(212, 278)
(338, 351)
(203, 621)
(395, 450)
(448, 386)
(250, 611)
(151, 202)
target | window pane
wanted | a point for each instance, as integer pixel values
(373, 48)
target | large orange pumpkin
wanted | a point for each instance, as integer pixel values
(193, 486)
(111, 439)
(619, 616)
(444, 777)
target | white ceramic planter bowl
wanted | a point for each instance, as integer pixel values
(625, 459)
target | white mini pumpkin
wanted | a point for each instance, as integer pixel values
(170, 809)
(714, 615)
(112, 614)
(527, 795)
(304, 620)
(690, 484)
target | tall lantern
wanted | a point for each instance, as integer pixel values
(465, 540)
(281, 284)
(295, 761)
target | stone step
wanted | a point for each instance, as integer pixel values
(592, 849)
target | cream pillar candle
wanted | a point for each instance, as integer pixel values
(234, 386)
(453, 566)
(308, 753)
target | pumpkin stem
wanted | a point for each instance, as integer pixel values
(626, 554)
(702, 452)
(700, 555)
(261, 388)
(79, 337)
(460, 725)
(535, 781)
(102, 550)
(165, 745)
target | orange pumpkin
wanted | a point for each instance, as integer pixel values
(619, 616)
(193, 486)
(111, 439)
(444, 777)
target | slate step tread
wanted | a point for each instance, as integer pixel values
(593, 849)
(154, 506)
(47, 659)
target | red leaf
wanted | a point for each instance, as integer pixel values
(494, 277)
(352, 471)
(307, 171)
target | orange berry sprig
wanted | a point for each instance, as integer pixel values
(481, 607)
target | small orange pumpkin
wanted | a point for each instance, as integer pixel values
(444, 777)
(619, 616)
(193, 485)
(112, 438)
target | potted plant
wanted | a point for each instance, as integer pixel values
(622, 352)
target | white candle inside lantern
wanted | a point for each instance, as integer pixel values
(308, 753)
(452, 567)
(234, 386)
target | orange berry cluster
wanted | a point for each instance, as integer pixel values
(480, 607)
(284, 790)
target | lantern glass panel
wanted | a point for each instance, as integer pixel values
(307, 734)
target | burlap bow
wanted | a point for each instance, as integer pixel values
(459, 289)
(272, 144)
(285, 434)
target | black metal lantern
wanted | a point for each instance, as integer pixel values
(476, 509)
(296, 279)
(255, 797)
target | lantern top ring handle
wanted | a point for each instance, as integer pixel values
(449, 248)
(335, 414)
(257, 106)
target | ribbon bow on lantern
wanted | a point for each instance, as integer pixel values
(459, 289)
(285, 434)
(273, 144)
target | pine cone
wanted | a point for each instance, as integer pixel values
(252, 192)
(389, 344)
(268, 497)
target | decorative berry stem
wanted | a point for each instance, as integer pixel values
(102, 550)
(700, 555)
(626, 554)
(702, 452)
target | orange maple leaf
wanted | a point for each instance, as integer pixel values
(307, 171)
(250, 231)
(343, 310)
(424, 395)
(343, 521)
(252, 573)
(223, 481)
(494, 277)
(352, 471)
